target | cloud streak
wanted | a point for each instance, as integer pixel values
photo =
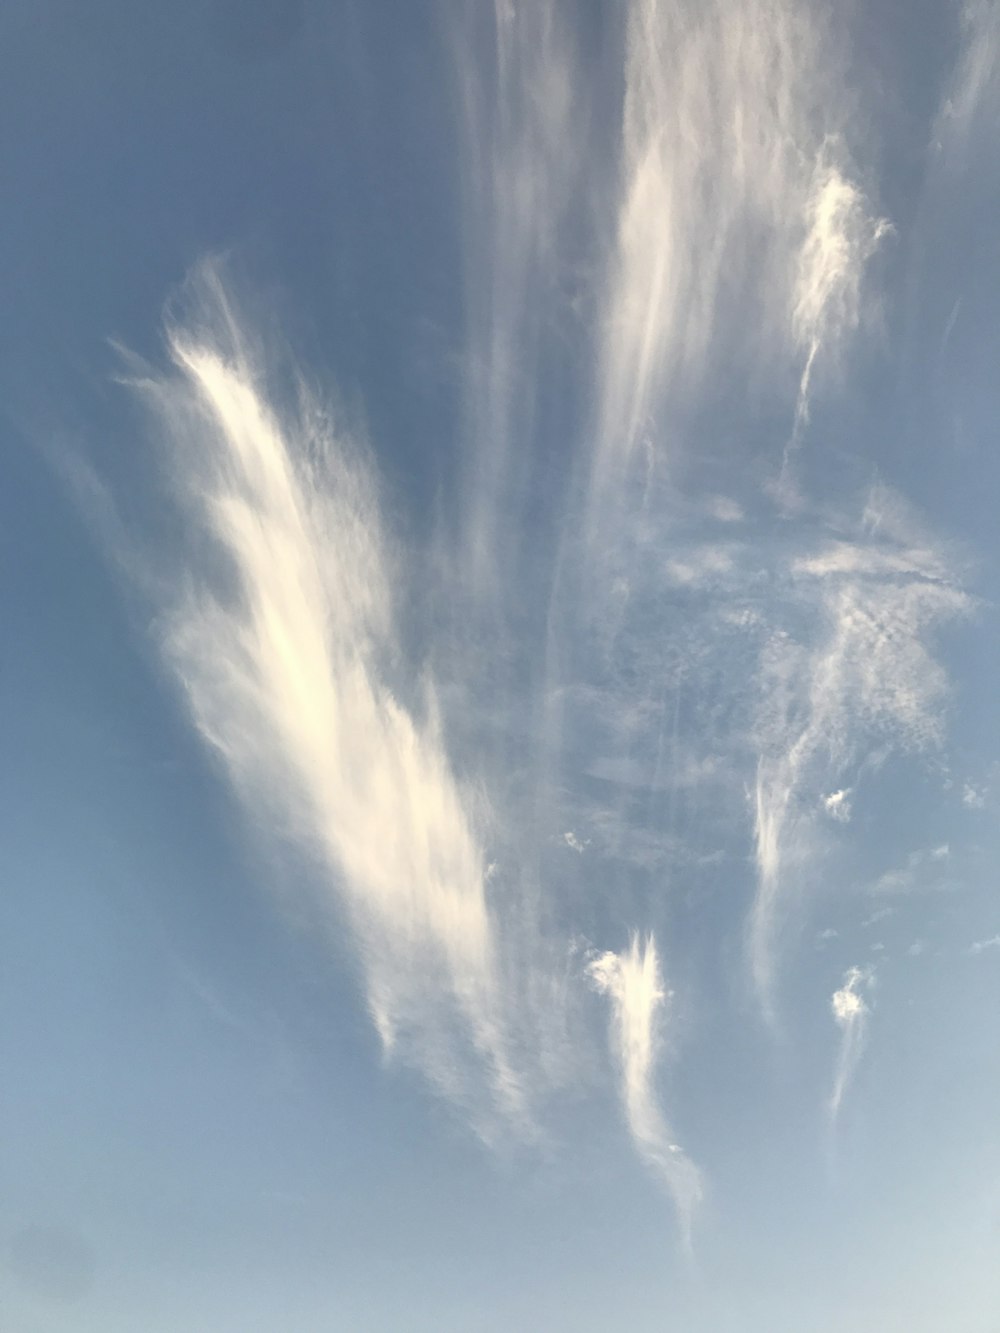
(282, 641)
(840, 239)
(741, 232)
(851, 1013)
(633, 984)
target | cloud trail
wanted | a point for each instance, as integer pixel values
(631, 980)
(850, 1013)
(840, 239)
(519, 108)
(741, 233)
(282, 640)
(975, 87)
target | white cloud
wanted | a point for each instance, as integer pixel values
(838, 805)
(866, 682)
(840, 239)
(633, 984)
(737, 208)
(737, 248)
(842, 557)
(974, 798)
(733, 252)
(280, 633)
(850, 1012)
(981, 946)
(519, 106)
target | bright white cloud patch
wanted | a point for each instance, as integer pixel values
(838, 805)
(521, 161)
(281, 636)
(840, 239)
(631, 980)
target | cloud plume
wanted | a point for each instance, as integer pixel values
(281, 642)
(633, 984)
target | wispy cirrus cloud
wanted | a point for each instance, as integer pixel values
(520, 103)
(738, 209)
(838, 805)
(280, 630)
(840, 238)
(975, 85)
(632, 981)
(862, 682)
(738, 235)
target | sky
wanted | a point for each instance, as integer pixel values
(499, 739)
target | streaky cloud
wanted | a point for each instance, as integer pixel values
(741, 232)
(840, 239)
(975, 87)
(632, 981)
(851, 1013)
(862, 683)
(281, 637)
(520, 107)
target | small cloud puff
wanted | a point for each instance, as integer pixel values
(973, 797)
(847, 1003)
(838, 805)
(571, 840)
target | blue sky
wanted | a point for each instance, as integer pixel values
(498, 704)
